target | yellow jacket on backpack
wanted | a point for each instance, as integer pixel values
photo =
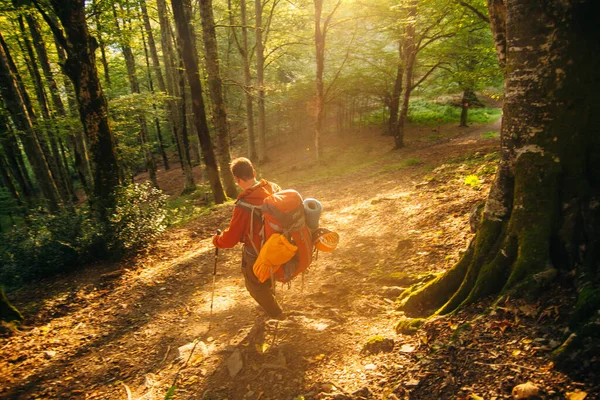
(276, 251)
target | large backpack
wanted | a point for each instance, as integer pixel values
(283, 212)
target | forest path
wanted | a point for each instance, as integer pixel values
(104, 331)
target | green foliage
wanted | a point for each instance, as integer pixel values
(48, 245)
(189, 206)
(490, 135)
(140, 215)
(473, 181)
(409, 162)
(429, 113)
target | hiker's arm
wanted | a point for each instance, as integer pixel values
(234, 234)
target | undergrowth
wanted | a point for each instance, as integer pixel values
(429, 113)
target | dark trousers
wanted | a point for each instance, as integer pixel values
(261, 292)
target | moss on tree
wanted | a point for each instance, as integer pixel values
(8, 312)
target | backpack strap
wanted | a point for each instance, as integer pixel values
(252, 209)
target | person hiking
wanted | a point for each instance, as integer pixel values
(242, 223)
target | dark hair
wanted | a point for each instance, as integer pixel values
(242, 168)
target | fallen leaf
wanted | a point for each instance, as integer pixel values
(576, 395)
(525, 391)
(407, 348)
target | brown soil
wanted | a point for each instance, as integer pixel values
(113, 331)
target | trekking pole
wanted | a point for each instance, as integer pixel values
(212, 296)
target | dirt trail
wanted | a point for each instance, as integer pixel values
(107, 331)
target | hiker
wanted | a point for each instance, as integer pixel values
(253, 192)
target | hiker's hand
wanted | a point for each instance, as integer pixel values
(216, 238)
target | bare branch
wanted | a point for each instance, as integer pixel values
(426, 75)
(481, 15)
(337, 74)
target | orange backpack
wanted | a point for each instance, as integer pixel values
(283, 213)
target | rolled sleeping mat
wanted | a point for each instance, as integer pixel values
(313, 210)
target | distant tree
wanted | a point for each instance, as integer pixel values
(216, 93)
(188, 52)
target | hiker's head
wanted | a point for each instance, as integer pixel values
(242, 170)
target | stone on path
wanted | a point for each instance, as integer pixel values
(235, 363)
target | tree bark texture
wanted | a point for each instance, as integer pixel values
(191, 68)
(215, 87)
(542, 214)
(80, 66)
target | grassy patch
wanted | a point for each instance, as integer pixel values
(190, 206)
(409, 162)
(429, 113)
(490, 135)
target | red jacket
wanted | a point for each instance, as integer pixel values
(239, 227)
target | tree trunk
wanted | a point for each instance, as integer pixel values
(52, 155)
(77, 139)
(161, 144)
(247, 83)
(14, 160)
(172, 81)
(320, 58)
(101, 44)
(260, 83)
(395, 99)
(542, 212)
(10, 182)
(80, 66)
(216, 93)
(191, 67)
(410, 55)
(135, 88)
(14, 103)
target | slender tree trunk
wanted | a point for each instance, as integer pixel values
(191, 67)
(395, 100)
(260, 82)
(77, 140)
(135, 88)
(320, 59)
(410, 55)
(53, 154)
(172, 81)
(14, 160)
(248, 90)
(101, 44)
(13, 101)
(216, 93)
(59, 107)
(80, 66)
(10, 182)
(542, 212)
(156, 121)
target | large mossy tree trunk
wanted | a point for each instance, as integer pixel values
(80, 67)
(542, 215)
